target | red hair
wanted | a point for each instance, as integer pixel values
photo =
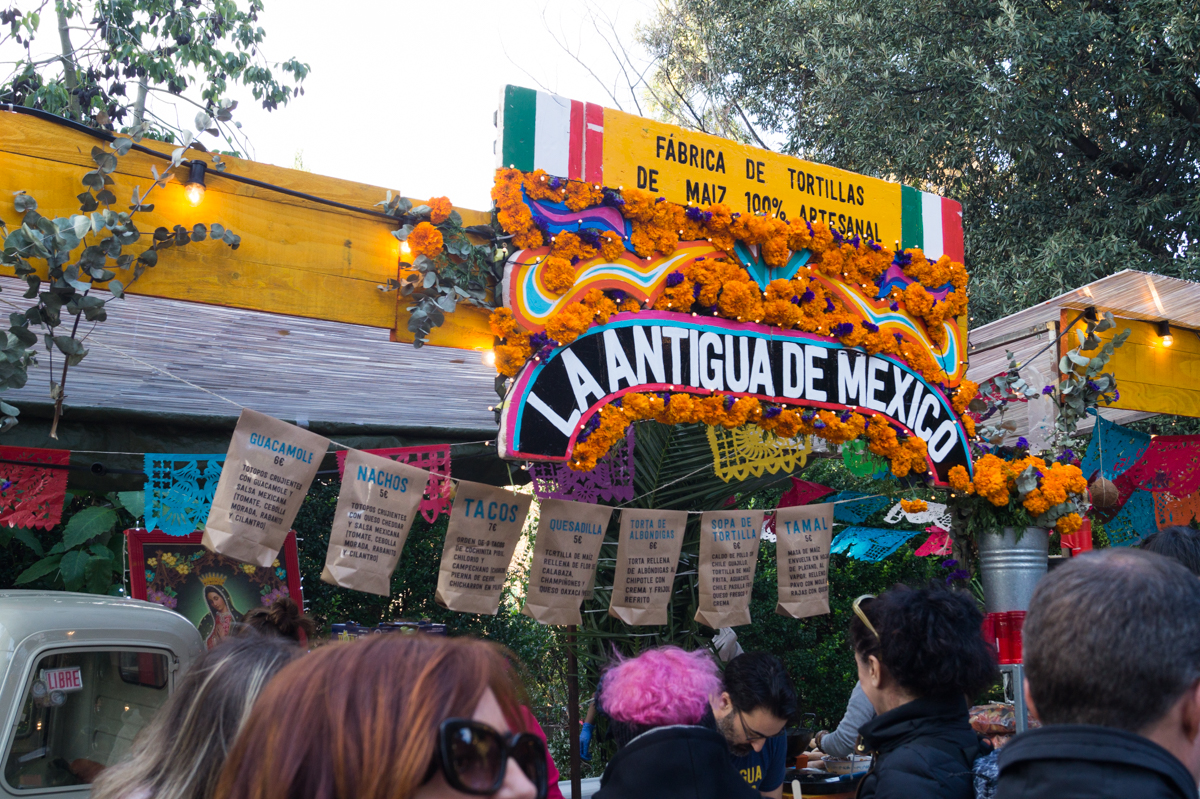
(359, 720)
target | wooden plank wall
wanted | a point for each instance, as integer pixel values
(296, 257)
(1150, 377)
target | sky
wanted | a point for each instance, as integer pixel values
(401, 94)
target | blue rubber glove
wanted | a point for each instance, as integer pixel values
(585, 740)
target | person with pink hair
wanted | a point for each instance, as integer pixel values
(656, 701)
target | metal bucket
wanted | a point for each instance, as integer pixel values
(1010, 569)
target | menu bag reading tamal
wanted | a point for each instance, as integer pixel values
(729, 542)
(485, 526)
(267, 472)
(374, 513)
(803, 534)
(569, 535)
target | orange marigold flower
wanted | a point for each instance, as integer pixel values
(914, 505)
(439, 210)
(557, 274)
(612, 246)
(1069, 523)
(425, 240)
(966, 392)
(502, 323)
(960, 480)
(512, 356)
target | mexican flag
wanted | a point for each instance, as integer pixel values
(932, 223)
(539, 130)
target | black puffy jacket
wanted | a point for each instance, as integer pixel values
(925, 748)
(1067, 760)
(678, 762)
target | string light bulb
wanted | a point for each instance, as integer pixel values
(194, 188)
(1163, 329)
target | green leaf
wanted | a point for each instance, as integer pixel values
(73, 567)
(23, 202)
(117, 288)
(134, 502)
(122, 146)
(199, 232)
(87, 524)
(29, 539)
(40, 569)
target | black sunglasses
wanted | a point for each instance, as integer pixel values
(473, 757)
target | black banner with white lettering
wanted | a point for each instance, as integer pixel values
(653, 351)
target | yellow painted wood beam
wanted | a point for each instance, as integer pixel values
(1151, 377)
(297, 257)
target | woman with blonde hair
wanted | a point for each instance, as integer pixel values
(180, 752)
(389, 717)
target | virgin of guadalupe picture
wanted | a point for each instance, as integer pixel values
(223, 614)
(212, 591)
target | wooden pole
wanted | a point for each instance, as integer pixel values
(573, 713)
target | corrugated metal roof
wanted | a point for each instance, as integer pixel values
(292, 368)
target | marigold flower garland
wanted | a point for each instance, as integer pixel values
(722, 287)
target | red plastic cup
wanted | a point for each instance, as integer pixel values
(988, 629)
(1004, 636)
(1016, 623)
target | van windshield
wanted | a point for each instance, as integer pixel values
(80, 714)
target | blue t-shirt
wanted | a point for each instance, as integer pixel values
(763, 771)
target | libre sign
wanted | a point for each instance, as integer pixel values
(657, 351)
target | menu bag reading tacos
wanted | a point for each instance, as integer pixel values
(485, 526)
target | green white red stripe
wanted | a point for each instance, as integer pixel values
(539, 130)
(932, 223)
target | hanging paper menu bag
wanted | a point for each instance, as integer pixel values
(803, 535)
(569, 536)
(647, 556)
(729, 542)
(485, 526)
(267, 472)
(374, 513)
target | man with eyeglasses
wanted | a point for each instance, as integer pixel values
(757, 701)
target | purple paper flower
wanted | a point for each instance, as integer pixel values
(542, 344)
(843, 329)
(807, 296)
(871, 243)
(838, 238)
(949, 563)
(1066, 456)
(856, 241)
(870, 328)
(895, 306)
(808, 415)
(556, 183)
(696, 215)
(695, 291)
(819, 424)
(829, 306)
(1093, 385)
(660, 200)
(844, 416)
(1047, 390)
(1116, 394)
(542, 224)
(589, 236)
(728, 402)
(957, 574)
(617, 296)
(772, 412)
(674, 279)
(5, 485)
(902, 259)
(665, 396)
(612, 199)
(1022, 443)
(589, 427)
(794, 300)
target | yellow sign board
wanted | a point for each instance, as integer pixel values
(690, 167)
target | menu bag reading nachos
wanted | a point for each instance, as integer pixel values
(267, 472)
(647, 556)
(374, 513)
(569, 535)
(485, 526)
(729, 542)
(803, 535)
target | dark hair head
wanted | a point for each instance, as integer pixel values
(1180, 544)
(180, 752)
(929, 640)
(758, 680)
(282, 617)
(360, 719)
(1112, 638)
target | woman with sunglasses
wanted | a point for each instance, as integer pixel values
(388, 717)
(920, 659)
